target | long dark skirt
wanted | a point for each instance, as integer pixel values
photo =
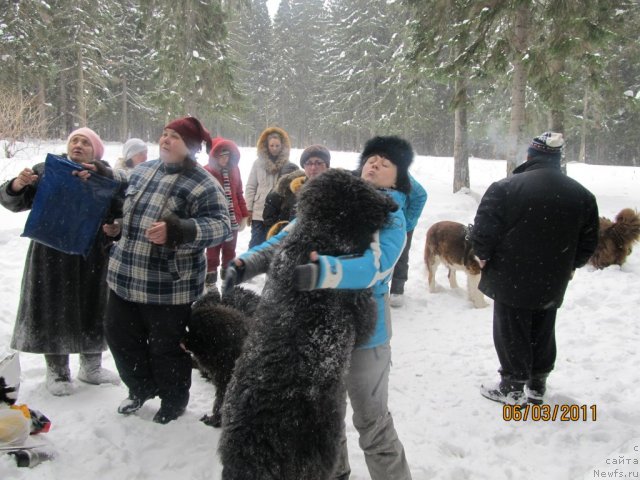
(62, 302)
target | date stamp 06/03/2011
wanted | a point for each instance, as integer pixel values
(549, 413)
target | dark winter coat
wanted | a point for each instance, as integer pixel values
(534, 229)
(280, 204)
(63, 297)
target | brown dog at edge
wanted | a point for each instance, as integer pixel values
(616, 239)
(447, 243)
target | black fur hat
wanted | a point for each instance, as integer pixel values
(396, 149)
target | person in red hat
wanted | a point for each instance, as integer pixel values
(223, 165)
(173, 210)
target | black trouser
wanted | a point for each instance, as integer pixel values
(145, 342)
(401, 270)
(258, 233)
(525, 341)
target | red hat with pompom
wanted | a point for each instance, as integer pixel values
(192, 132)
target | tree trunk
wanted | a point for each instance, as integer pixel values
(80, 98)
(556, 113)
(460, 143)
(597, 155)
(582, 157)
(64, 106)
(124, 127)
(42, 110)
(518, 85)
(190, 104)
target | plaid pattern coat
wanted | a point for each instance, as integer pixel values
(142, 272)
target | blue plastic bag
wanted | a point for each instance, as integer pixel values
(67, 212)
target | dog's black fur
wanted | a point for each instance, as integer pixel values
(217, 331)
(285, 404)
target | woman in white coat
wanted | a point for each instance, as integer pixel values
(273, 162)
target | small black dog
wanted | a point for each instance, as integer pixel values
(284, 407)
(217, 331)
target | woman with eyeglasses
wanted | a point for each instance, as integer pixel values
(280, 205)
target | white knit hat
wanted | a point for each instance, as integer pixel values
(132, 147)
(548, 144)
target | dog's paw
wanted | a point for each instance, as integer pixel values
(212, 420)
(478, 300)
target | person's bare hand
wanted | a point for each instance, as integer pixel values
(157, 233)
(112, 229)
(86, 173)
(24, 178)
(237, 262)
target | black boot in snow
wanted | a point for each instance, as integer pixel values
(536, 388)
(508, 392)
(170, 410)
(132, 404)
(167, 414)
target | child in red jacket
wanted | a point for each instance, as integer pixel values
(223, 165)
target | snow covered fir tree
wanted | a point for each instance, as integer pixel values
(468, 84)
(332, 72)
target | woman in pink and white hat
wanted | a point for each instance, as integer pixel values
(63, 297)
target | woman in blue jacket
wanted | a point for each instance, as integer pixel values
(384, 163)
(412, 210)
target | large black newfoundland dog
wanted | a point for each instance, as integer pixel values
(217, 331)
(284, 406)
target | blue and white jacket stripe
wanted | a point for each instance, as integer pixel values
(373, 269)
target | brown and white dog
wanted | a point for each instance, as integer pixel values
(447, 243)
(616, 239)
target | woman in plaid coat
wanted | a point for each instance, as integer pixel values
(173, 210)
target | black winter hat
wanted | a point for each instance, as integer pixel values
(396, 149)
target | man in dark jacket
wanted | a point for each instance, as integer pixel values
(531, 232)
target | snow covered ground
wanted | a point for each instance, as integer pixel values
(442, 352)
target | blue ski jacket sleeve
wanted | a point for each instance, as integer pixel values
(371, 270)
(415, 204)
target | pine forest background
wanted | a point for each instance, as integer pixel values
(456, 78)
